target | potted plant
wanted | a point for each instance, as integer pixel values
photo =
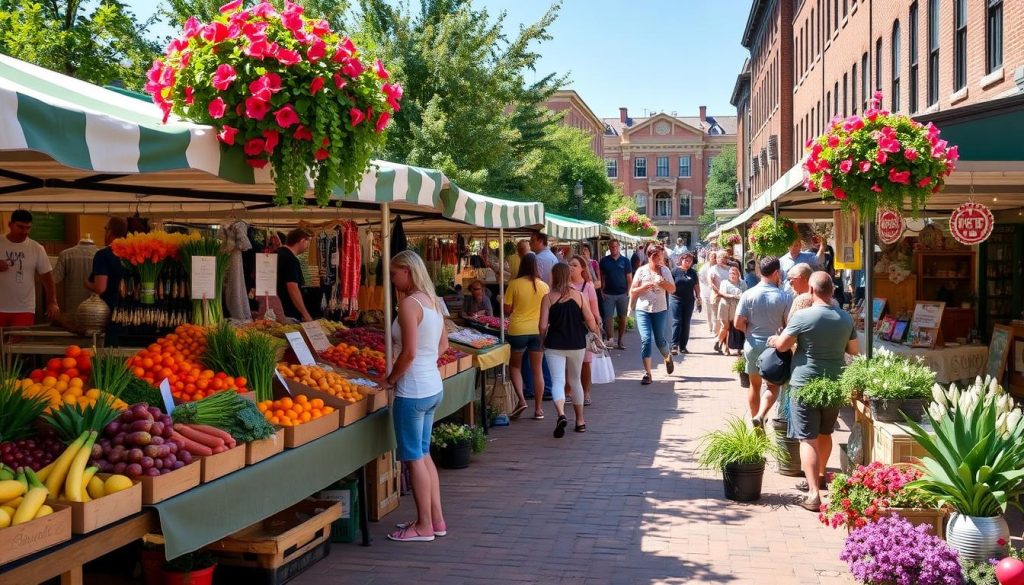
(893, 550)
(740, 367)
(855, 375)
(878, 490)
(628, 220)
(740, 452)
(728, 239)
(822, 393)
(975, 463)
(895, 383)
(453, 443)
(772, 237)
(195, 568)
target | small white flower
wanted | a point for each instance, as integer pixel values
(1001, 424)
(938, 395)
(1013, 419)
(936, 410)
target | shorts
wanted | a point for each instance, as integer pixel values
(414, 421)
(806, 423)
(17, 319)
(752, 349)
(726, 311)
(612, 305)
(521, 343)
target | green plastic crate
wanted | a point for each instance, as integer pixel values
(346, 528)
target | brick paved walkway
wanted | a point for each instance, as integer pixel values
(623, 503)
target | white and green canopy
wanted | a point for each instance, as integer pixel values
(628, 239)
(71, 146)
(564, 228)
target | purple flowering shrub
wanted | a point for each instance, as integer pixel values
(892, 551)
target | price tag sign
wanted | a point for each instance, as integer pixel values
(204, 277)
(283, 382)
(165, 393)
(317, 337)
(300, 348)
(266, 275)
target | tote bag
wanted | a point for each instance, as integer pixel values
(601, 369)
(736, 338)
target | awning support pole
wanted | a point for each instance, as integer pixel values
(385, 265)
(869, 285)
(501, 279)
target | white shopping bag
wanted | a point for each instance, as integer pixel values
(601, 369)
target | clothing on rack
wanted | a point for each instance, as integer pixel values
(235, 241)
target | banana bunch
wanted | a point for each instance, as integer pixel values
(23, 496)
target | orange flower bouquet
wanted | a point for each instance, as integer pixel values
(147, 253)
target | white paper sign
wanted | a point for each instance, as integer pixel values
(165, 393)
(266, 275)
(300, 348)
(283, 382)
(927, 314)
(204, 277)
(317, 337)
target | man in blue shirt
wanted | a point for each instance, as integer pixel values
(795, 256)
(761, 314)
(616, 278)
(107, 273)
(546, 259)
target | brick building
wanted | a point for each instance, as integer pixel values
(578, 115)
(830, 56)
(663, 162)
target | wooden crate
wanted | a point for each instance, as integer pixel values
(917, 516)
(218, 465)
(88, 516)
(159, 488)
(35, 535)
(862, 415)
(280, 539)
(891, 443)
(257, 451)
(383, 489)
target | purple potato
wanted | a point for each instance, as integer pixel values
(133, 470)
(119, 467)
(156, 429)
(143, 425)
(140, 412)
(153, 472)
(172, 447)
(126, 417)
(185, 455)
(177, 465)
(97, 451)
(155, 412)
(151, 451)
(118, 440)
(157, 440)
(140, 438)
(135, 455)
(105, 466)
(146, 462)
(116, 456)
(170, 460)
(158, 463)
(113, 428)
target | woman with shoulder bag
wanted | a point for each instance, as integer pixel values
(579, 279)
(565, 319)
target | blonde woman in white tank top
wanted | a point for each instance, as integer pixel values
(419, 328)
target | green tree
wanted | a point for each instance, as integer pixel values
(564, 159)
(97, 41)
(721, 188)
(468, 109)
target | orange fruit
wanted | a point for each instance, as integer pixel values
(73, 351)
(68, 363)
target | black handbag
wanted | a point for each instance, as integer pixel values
(735, 339)
(775, 366)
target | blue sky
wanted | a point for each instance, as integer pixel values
(659, 55)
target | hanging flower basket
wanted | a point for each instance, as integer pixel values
(772, 237)
(627, 220)
(877, 160)
(726, 240)
(283, 89)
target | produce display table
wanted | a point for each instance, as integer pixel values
(483, 360)
(950, 364)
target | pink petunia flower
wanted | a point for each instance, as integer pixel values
(826, 181)
(270, 138)
(291, 21)
(901, 177)
(264, 10)
(215, 32)
(953, 153)
(876, 188)
(192, 27)
(190, 95)
(288, 57)
(231, 6)
(881, 157)
(223, 77)
(316, 85)
(352, 67)
(865, 166)
(227, 134)
(286, 116)
(833, 141)
(216, 108)
(382, 122)
(846, 165)
(254, 146)
(393, 93)
(256, 108)
(302, 133)
(379, 69)
(889, 145)
(316, 51)
(176, 46)
(357, 116)
(910, 153)
(838, 193)
(321, 154)
(338, 81)
(256, 163)
(321, 27)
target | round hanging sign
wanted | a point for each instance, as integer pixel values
(890, 226)
(971, 223)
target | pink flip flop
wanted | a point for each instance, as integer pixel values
(405, 525)
(404, 536)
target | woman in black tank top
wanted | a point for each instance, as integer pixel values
(564, 321)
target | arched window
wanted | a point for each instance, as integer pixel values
(663, 205)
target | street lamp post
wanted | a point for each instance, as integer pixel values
(578, 192)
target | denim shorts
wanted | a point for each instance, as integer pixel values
(414, 420)
(521, 343)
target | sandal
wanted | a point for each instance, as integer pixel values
(537, 416)
(560, 426)
(404, 536)
(518, 411)
(812, 504)
(822, 484)
(586, 402)
(579, 429)
(405, 525)
(646, 380)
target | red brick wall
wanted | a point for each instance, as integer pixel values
(771, 80)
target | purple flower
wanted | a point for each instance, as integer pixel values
(892, 550)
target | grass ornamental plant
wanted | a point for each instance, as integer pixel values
(869, 492)
(822, 393)
(893, 551)
(629, 221)
(878, 160)
(740, 365)
(737, 443)
(772, 237)
(975, 461)
(280, 88)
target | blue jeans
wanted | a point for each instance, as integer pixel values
(652, 325)
(414, 421)
(682, 314)
(527, 370)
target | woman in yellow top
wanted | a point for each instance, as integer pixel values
(523, 298)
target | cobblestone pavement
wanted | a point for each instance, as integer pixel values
(623, 503)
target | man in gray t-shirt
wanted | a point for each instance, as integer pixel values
(822, 335)
(761, 313)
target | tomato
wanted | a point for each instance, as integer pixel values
(139, 372)
(73, 351)
(84, 364)
(54, 364)
(241, 382)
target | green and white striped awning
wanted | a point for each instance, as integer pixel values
(626, 238)
(60, 136)
(490, 212)
(564, 228)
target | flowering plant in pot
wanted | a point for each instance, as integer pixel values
(975, 463)
(772, 237)
(892, 550)
(453, 443)
(629, 221)
(726, 240)
(878, 159)
(740, 453)
(871, 492)
(895, 383)
(282, 89)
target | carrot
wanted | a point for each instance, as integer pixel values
(211, 430)
(199, 436)
(190, 445)
(220, 449)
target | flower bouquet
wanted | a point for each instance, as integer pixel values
(870, 493)
(726, 240)
(878, 160)
(629, 221)
(206, 311)
(147, 253)
(772, 237)
(283, 88)
(892, 550)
